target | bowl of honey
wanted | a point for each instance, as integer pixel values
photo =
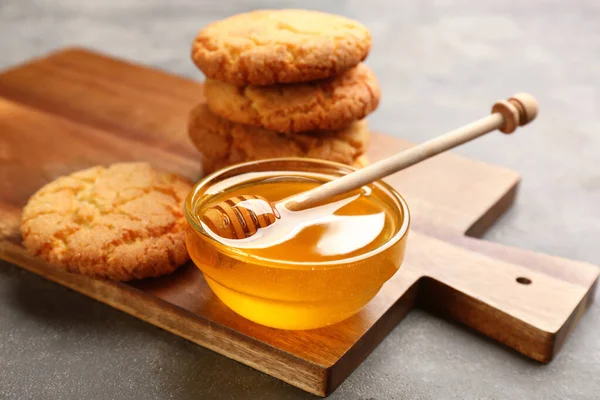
(311, 268)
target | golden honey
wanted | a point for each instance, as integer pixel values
(311, 268)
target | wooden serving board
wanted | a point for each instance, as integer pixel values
(75, 108)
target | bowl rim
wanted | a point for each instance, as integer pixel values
(189, 204)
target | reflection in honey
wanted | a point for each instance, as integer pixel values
(309, 269)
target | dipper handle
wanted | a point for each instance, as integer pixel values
(506, 116)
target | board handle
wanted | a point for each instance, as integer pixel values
(525, 300)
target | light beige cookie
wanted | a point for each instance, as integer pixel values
(280, 46)
(328, 104)
(224, 143)
(123, 222)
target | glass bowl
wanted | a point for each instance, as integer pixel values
(283, 294)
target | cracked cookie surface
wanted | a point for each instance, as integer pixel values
(121, 222)
(327, 104)
(279, 46)
(224, 143)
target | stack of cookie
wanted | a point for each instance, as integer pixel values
(283, 83)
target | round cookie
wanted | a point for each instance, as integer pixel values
(123, 222)
(328, 104)
(224, 143)
(279, 46)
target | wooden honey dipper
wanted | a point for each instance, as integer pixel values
(241, 216)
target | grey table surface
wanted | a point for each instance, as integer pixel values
(441, 64)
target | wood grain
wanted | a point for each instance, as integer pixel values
(137, 103)
(75, 109)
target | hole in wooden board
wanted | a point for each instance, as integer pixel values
(523, 281)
